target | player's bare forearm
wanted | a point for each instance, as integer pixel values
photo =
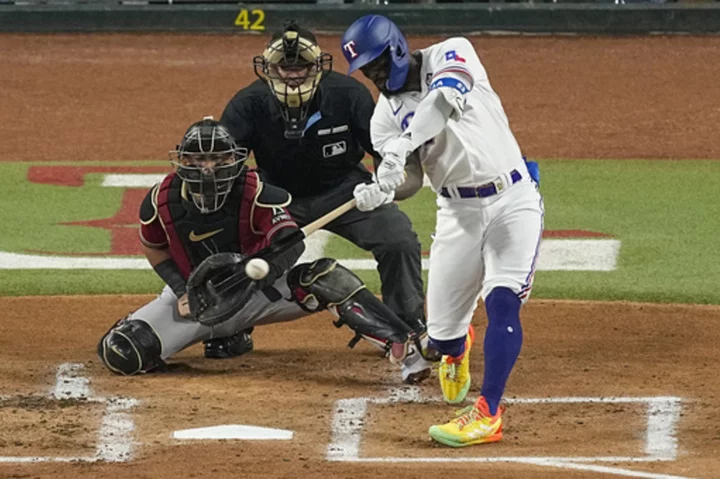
(156, 256)
(413, 180)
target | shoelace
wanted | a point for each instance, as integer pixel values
(452, 364)
(452, 371)
(466, 415)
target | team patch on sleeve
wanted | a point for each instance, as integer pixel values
(452, 55)
(456, 66)
(269, 213)
(280, 215)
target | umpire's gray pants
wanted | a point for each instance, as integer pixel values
(177, 333)
(385, 231)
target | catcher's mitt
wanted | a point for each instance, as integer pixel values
(218, 288)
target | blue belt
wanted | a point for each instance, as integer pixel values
(482, 191)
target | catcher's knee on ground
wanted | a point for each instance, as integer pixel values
(130, 347)
(327, 284)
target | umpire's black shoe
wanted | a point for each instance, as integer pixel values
(230, 346)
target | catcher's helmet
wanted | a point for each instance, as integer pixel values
(208, 161)
(371, 36)
(293, 65)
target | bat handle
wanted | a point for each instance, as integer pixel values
(327, 218)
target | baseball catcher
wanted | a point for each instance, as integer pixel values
(199, 228)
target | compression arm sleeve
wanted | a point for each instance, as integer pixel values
(170, 273)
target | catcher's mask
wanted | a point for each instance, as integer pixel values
(293, 65)
(208, 161)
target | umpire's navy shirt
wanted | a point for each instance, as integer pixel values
(337, 135)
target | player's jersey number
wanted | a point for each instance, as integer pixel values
(251, 20)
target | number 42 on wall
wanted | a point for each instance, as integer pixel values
(244, 20)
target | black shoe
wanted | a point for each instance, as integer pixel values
(230, 346)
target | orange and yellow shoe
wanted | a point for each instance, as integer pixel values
(454, 373)
(474, 425)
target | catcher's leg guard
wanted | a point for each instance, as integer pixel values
(327, 284)
(130, 347)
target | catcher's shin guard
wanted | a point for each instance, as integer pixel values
(371, 319)
(130, 347)
(327, 284)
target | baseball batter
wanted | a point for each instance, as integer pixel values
(438, 101)
(212, 204)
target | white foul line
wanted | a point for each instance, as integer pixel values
(617, 471)
(114, 443)
(660, 441)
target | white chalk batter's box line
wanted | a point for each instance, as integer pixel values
(663, 413)
(114, 439)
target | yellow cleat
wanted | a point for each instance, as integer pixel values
(454, 373)
(474, 425)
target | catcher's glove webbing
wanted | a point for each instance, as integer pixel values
(218, 288)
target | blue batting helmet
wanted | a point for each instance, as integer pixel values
(368, 38)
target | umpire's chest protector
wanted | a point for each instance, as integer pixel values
(193, 236)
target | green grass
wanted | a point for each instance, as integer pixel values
(31, 214)
(80, 281)
(664, 212)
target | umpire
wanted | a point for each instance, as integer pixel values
(309, 129)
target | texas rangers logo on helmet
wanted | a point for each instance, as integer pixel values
(349, 47)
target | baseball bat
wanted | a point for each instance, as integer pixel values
(289, 241)
(285, 244)
(328, 217)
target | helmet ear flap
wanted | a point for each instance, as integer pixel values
(368, 38)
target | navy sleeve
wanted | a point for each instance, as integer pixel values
(361, 114)
(237, 118)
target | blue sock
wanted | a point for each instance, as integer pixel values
(503, 340)
(450, 347)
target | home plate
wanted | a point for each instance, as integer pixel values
(234, 431)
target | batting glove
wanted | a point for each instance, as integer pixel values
(391, 172)
(369, 196)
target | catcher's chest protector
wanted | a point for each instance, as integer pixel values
(194, 236)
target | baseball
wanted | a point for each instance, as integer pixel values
(257, 268)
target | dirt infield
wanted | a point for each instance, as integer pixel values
(299, 371)
(628, 387)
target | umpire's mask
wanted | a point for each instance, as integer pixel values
(293, 65)
(208, 161)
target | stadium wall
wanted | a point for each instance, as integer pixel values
(467, 19)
